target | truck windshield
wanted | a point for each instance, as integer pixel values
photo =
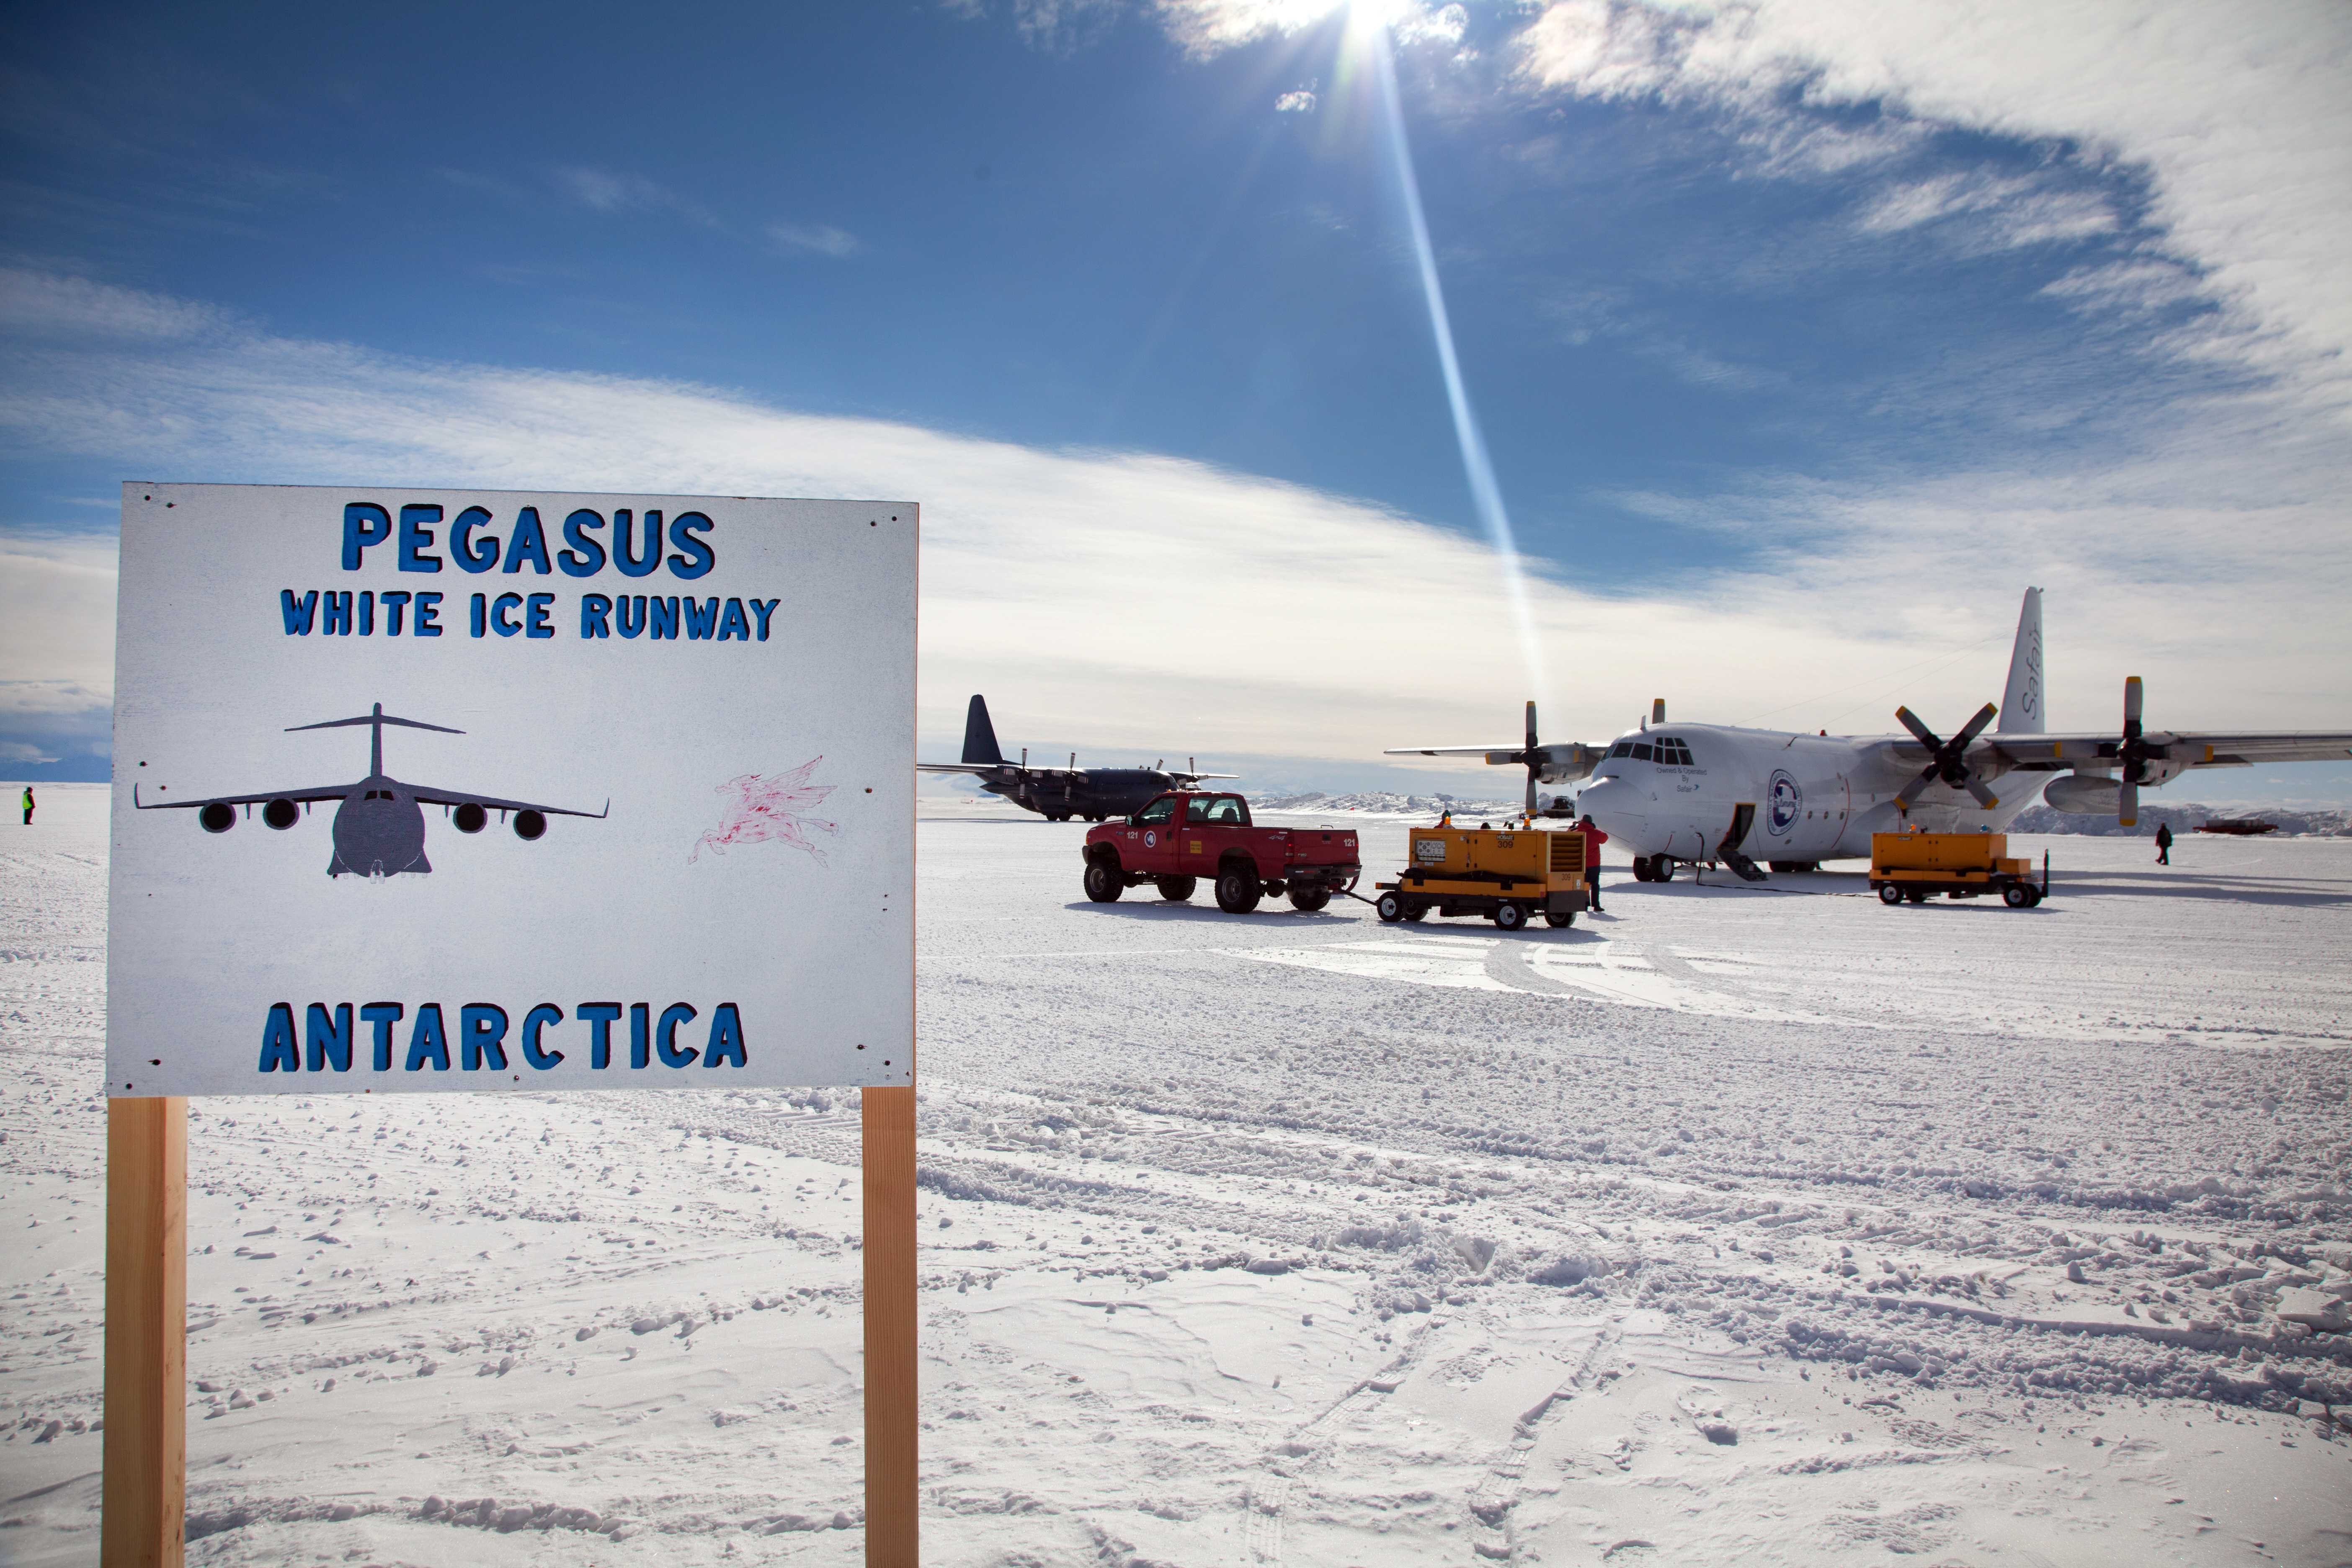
(1222, 811)
(1160, 810)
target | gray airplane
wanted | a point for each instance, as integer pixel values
(380, 825)
(1059, 794)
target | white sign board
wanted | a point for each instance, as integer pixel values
(432, 790)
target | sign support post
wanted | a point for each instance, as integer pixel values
(892, 1420)
(145, 1492)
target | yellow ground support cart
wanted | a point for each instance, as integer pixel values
(1915, 865)
(1505, 874)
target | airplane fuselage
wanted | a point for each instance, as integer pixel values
(379, 831)
(1676, 790)
(1083, 793)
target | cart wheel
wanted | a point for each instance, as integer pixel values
(1176, 889)
(1308, 897)
(1416, 911)
(2016, 896)
(1509, 915)
(1104, 883)
(1389, 907)
(1238, 891)
(1888, 893)
(2037, 895)
(1916, 897)
(1558, 920)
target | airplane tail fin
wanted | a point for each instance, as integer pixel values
(979, 734)
(2021, 706)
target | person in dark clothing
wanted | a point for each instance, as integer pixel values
(1593, 839)
(2164, 844)
(28, 805)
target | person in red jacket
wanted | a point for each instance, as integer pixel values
(1593, 839)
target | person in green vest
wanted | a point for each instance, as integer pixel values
(28, 805)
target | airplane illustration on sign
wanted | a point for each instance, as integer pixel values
(380, 825)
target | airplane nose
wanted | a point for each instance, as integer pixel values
(1619, 807)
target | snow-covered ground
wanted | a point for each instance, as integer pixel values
(1759, 1224)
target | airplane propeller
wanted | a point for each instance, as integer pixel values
(1951, 763)
(2132, 753)
(1532, 757)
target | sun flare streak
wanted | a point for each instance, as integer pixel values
(1485, 493)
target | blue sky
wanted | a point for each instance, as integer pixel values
(1800, 344)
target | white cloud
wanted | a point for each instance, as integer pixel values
(2237, 112)
(44, 305)
(54, 588)
(24, 752)
(1299, 102)
(606, 191)
(2006, 211)
(1130, 598)
(823, 238)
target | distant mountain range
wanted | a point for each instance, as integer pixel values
(2185, 817)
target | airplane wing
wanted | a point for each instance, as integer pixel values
(2189, 748)
(1557, 762)
(1179, 774)
(1026, 769)
(424, 796)
(299, 796)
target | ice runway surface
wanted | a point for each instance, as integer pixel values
(1762, 1224)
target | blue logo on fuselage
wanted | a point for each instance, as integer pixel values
(1787, 801)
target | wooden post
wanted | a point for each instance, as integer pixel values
(891, 1421)
(144, 1493)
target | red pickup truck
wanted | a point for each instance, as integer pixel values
(1184, 837)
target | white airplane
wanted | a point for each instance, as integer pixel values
(1706, 793)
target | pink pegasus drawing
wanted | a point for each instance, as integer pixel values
(769, 808)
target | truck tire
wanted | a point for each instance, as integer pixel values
(2016, 896)
(1389, 907)
(1888, 893)
(1176, 889)
(1104, 883)
(1917, 896)
(1508, 916)
(1564, 918)
(1237, 890)
(1308, 897)
(1416, 909)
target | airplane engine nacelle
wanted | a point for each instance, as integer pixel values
(530, 825)
(469, 817)
(2083, 794)
(216, 817)
(281, 814)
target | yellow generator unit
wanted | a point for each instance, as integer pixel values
(1915, 865)
(1505, 874)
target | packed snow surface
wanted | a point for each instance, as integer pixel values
(1759, 1224)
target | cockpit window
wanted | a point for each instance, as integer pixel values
(1623, 749)
(1672, 752)
(1642, 752)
